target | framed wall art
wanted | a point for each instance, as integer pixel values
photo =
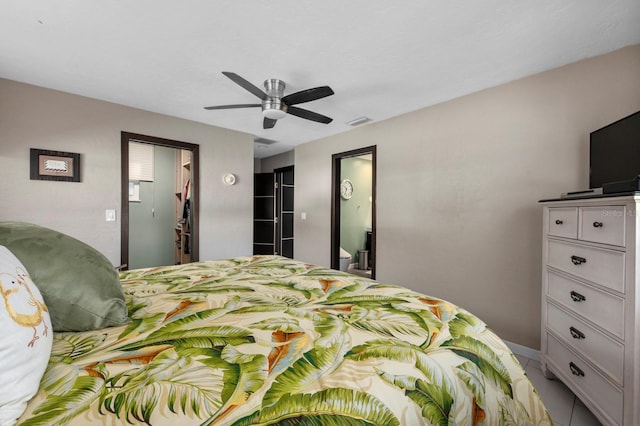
(55, 165)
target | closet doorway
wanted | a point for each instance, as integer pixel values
(273, 212)
(353, 211)
(159, 215)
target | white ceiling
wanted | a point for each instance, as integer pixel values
(382, 58)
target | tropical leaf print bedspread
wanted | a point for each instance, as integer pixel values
(269, 340)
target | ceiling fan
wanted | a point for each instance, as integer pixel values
(275, 105)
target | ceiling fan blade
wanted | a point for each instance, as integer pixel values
(309, 115)
(307, 95)
(233, 106)
(245, 84)
(268, 123)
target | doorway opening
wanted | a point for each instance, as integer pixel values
(183, 192)
(273, 212)
(353, 211)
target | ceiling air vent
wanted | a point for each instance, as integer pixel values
(264, 141)
(358, 121)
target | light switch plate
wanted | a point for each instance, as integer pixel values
(110, 215)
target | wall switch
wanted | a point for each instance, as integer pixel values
(303, 216)
(110, 215)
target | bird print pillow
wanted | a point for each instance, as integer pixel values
(25, 338)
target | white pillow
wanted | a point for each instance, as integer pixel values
(26, 338)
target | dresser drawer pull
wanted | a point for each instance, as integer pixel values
(576, 334)
(577, 260)
(577, 297)
(598, 224)
(558, 222)
(575, 370)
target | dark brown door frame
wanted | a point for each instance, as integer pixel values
(336, 170)
(279, 197)
(125, 138)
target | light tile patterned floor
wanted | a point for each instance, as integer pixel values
(565, 408)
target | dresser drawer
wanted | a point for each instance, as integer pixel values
(603, 309)
(563, 222)
(602, 266)
(607, 396)
(600, 349)
(603, 225)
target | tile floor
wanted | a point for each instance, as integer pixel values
(355, 271)
(565, 408)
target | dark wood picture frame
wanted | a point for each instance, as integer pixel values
(54, 165)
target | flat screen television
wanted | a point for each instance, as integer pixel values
(614, 152)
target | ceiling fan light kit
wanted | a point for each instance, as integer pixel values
(274, 109)
(275, 105)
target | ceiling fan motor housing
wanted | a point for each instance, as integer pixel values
(273, 107)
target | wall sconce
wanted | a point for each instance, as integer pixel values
(229, 179)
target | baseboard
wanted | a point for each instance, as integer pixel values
(523, 350)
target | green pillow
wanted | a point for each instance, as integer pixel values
(78, 283)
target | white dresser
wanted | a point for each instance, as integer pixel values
(591, 303)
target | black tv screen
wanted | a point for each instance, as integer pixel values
(614, 154)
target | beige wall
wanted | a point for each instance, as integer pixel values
(34, 117)
(269, 164)
(458, 185)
